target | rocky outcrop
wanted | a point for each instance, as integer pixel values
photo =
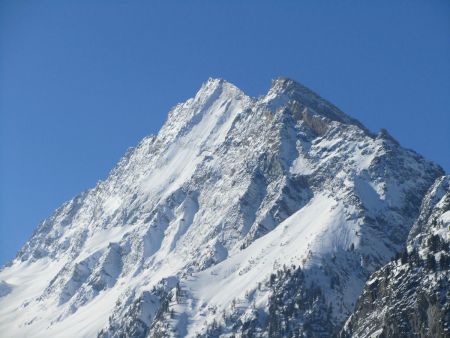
(410, 297)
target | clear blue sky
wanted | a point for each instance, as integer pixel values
(81, 81)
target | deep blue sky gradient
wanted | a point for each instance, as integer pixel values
(81, 81)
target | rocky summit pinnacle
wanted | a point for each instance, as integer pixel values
(257, 217)
(310, 102)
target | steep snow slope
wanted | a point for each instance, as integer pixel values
(410, 296)
(237, 278)
(190, 226)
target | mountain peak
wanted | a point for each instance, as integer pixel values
(215, 82)
(285, 84)
(287, 89)
(283, 90)
(214, 87)
(236, 201)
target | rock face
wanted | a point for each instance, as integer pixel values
(410, 296)
(243, 216)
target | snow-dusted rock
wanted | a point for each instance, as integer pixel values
(410, 296)
(201, 228)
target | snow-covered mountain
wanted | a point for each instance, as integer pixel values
(243, 216)
(410, 296)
